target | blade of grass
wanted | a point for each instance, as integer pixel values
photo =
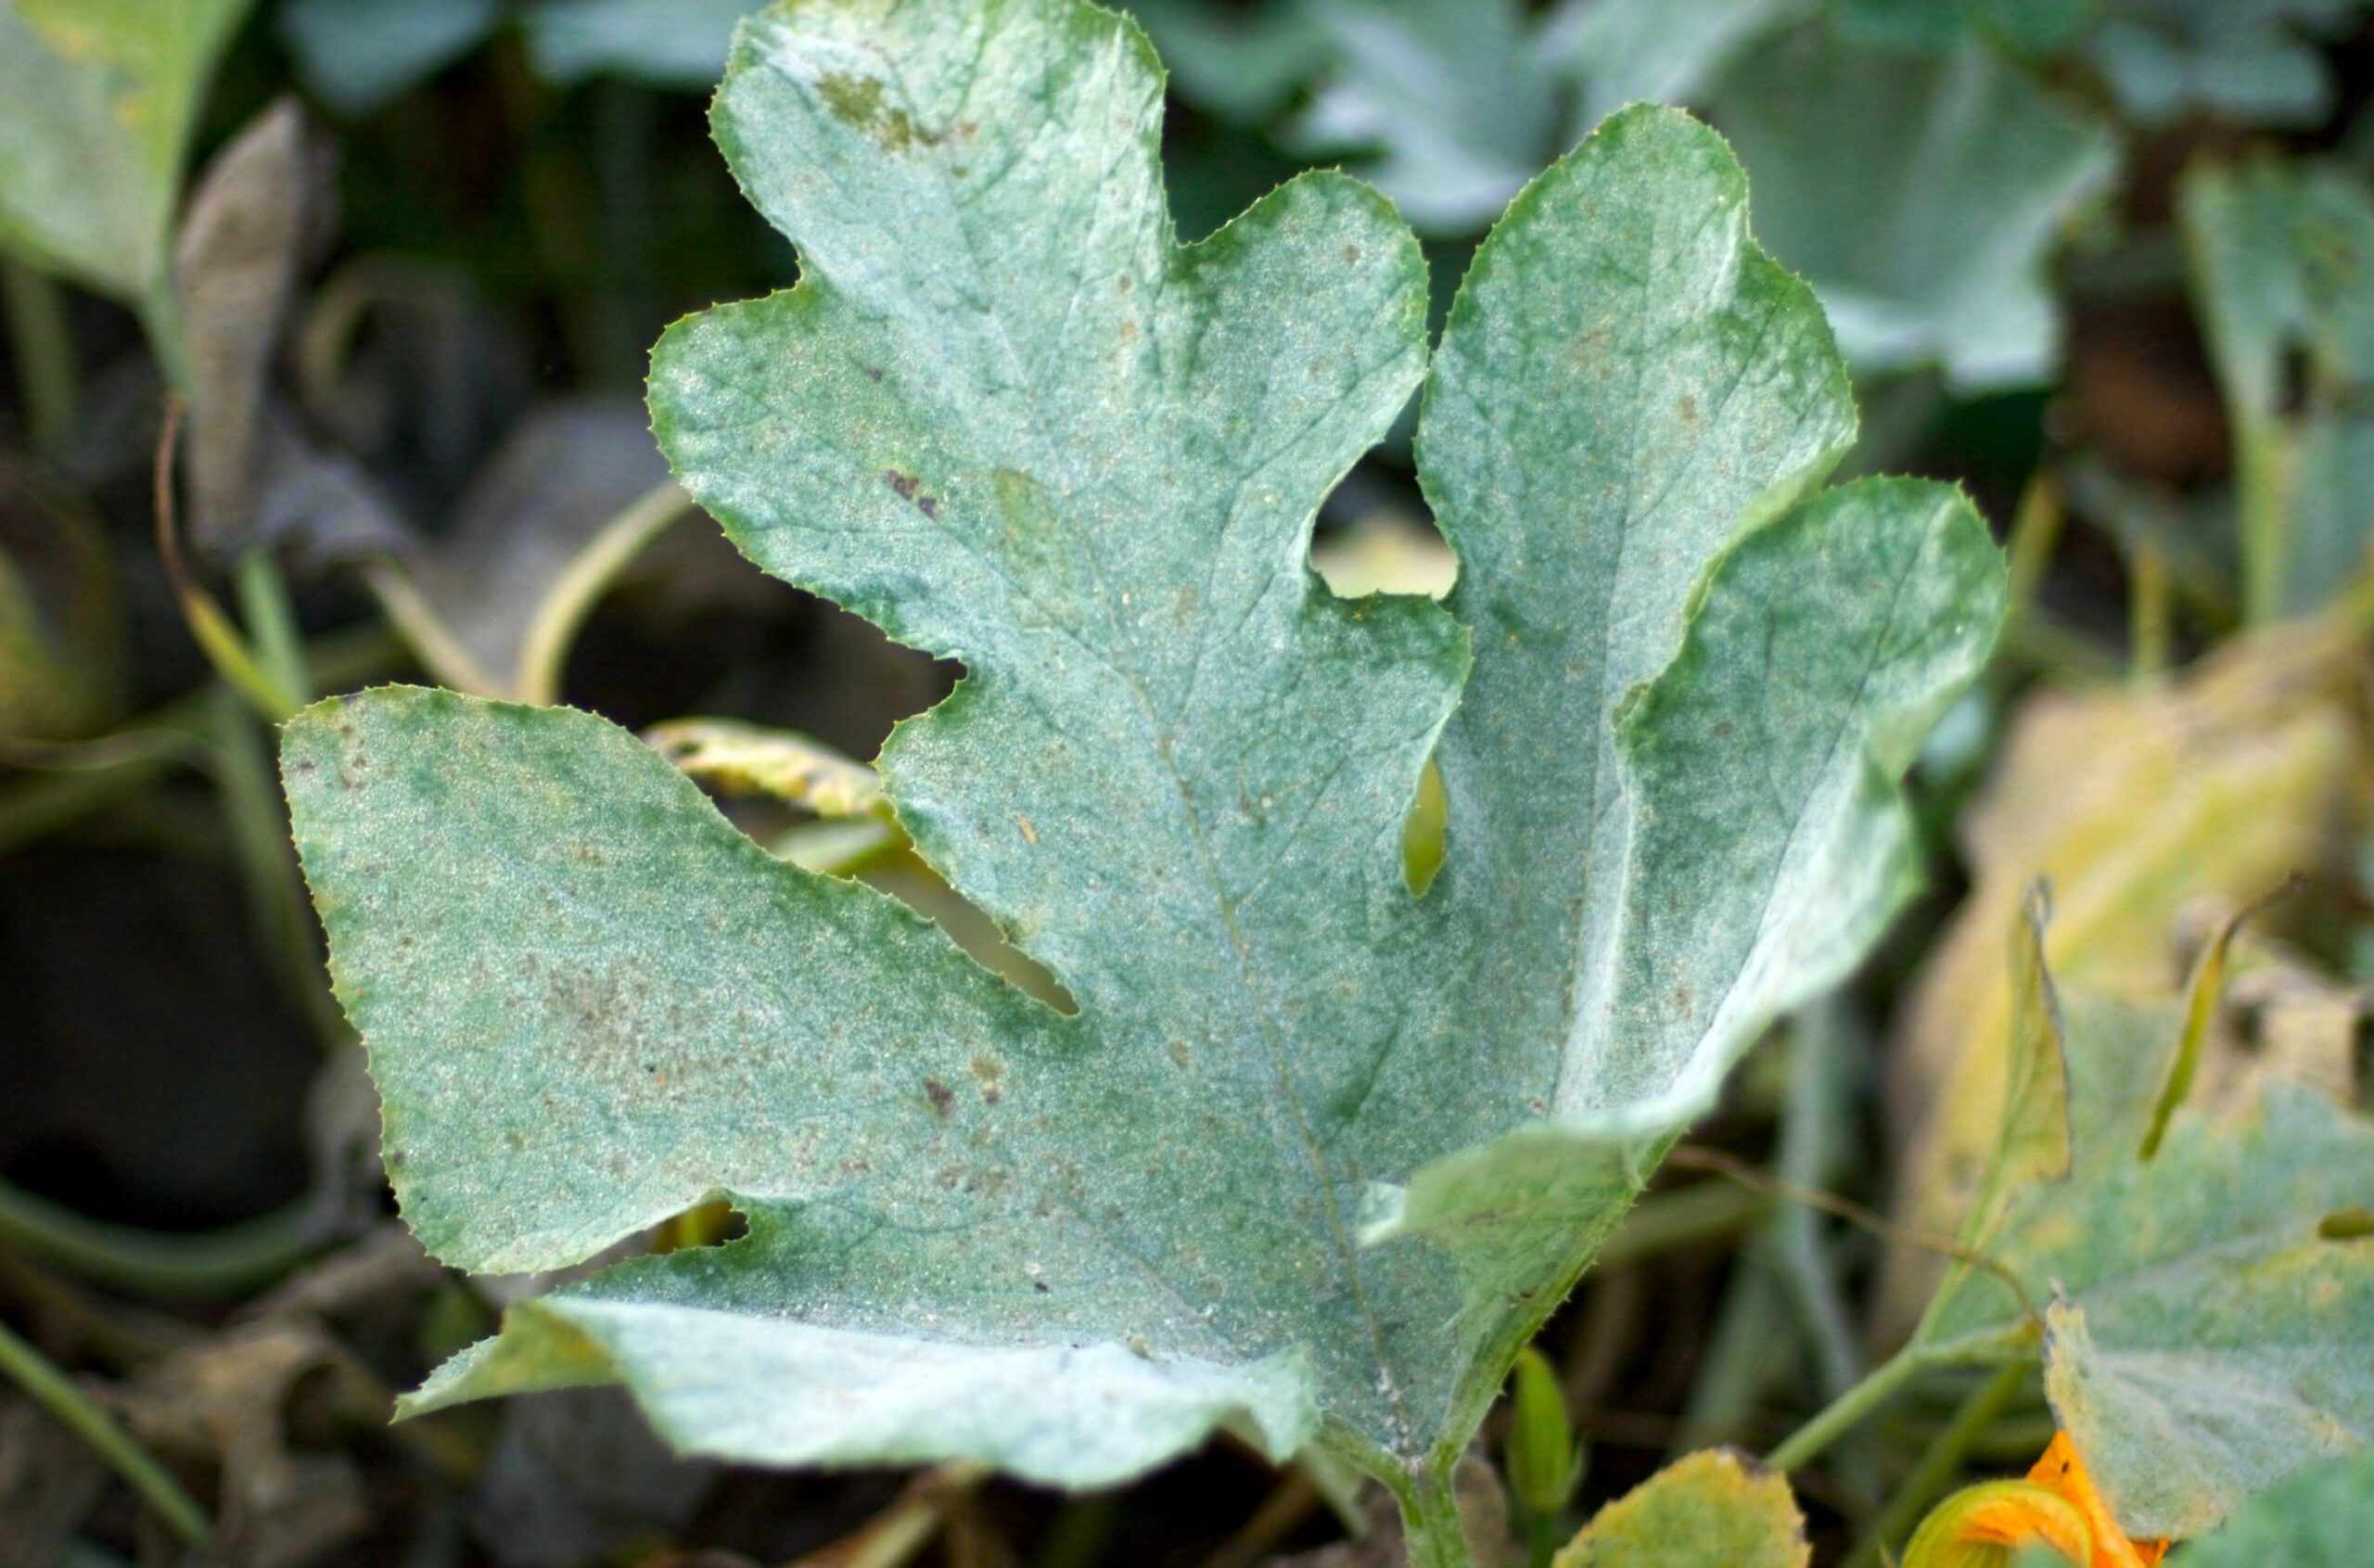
(75, 1409)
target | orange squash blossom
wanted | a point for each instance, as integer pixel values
(2061, 1471)
(2055, 1506)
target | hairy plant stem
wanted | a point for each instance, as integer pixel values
(1885, 1381)
(1433, 1533)
(75, 1409)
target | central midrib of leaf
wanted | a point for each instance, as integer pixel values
(1123, 659)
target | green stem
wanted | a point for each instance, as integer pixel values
(1842, 1414)
(75, 1409)
(2035, 534)
(36, 808)
(1432, 1531)
(2151, 612)
(257, 820)
(43, 346)
(2263, 500)
(1543, 1537)
(271, 620)
(206, 1265)
(543, 654)
(432, 641)
(1929, 1477)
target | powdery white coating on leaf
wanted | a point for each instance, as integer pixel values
(2320, 1518)
(1006, 417)
(2220, 1342)
(766, 1390)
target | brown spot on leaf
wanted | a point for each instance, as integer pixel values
(857, 102)
(2352, 1224)
(943, 1100)
(911, 489)
(1688, 409)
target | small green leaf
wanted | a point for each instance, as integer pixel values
(1541, 1461)
(1710, 1510)
(1311, 1154)
(96, 99)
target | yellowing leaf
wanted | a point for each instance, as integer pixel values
(1708, 1510)
(2131, 806)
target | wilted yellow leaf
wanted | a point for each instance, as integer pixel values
(2133, 806)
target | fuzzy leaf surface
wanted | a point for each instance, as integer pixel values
(1313, 1154)
(2320, 1518)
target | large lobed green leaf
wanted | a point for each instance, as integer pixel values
(1313, 1154)
(99, 96)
